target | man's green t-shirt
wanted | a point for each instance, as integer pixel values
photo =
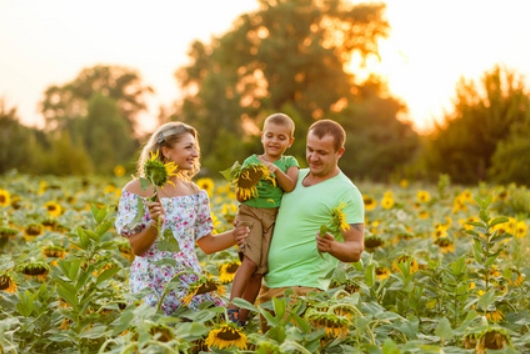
(269, 195)
(293, 256)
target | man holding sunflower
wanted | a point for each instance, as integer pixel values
(301, 256)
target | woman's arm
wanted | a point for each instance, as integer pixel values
(142, 241)
(215, 243)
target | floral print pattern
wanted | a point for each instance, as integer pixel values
(189, 219)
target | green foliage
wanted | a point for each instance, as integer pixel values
(481, 123)
(291, 56)
(106, 135)
(62, 105)
(511, 160)
(19, 145)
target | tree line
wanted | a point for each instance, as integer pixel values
(288, 56)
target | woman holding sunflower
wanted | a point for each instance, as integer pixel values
(163, 214)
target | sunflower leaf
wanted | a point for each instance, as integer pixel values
(168, 242)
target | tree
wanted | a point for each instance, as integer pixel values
(289, 55)
(62, 105)
(482, 118)
(106, 136)
(18, 143)
(511, 160)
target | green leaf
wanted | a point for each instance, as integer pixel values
(279, 307)
(444, 330)
(102, 214)
(104, 227)
(83, 238)
(26, 304)
(478, 251)
(68, 296)
(301, 322)
(271, 320)
(144, 183)
(166, 262)
(94, 209)
(244, 304)
(231, 173)
(389, 347)
(83, 278)
(487, 299)
(168, 242)
(107, 274)
(94, 332)
(369, 275)
(498, 220)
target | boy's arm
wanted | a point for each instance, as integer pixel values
(287, 180)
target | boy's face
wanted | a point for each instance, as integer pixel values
(276, 139)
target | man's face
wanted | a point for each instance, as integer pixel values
(321, 156)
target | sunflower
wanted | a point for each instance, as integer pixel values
(229, 212)
(206, 184)
(404, 183)
(37, 270)
(373, 242)
(338, 218)
(491, 338)
(33, 230)
(423, 196)
(7, 232)
(5, 198)
(414, 266)
(227, 271)
(226, 335)
(7, 283)
(162, 333)
(446, 244)
(521, 229)
(53, 208)
(53, 251)
(387, 202)
(381, 273)
(157, 172)
(369, 203)
(333, 325)
(119, 171)
(202, 286)
(246, 178)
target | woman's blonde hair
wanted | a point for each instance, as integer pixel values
(168, 135)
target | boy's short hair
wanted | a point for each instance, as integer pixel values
(324, 127)
(280, 119)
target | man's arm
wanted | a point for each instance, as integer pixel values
(348, 251)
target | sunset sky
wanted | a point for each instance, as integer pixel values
(432, 44)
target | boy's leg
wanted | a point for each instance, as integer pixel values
(251, 294)
(241, 279)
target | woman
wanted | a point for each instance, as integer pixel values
(182, 208)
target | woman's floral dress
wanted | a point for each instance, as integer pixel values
(189, 219)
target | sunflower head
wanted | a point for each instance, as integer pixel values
(37, 270)
(373, 242)
(227, 271)
(7, 283)
(157, 172)
(202, 286)
(226, 335)
(245, 179)
(53, 208)
(5, 198)
(333, 325)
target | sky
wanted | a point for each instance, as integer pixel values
(432, 44)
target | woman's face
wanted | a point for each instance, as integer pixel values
(184, 153)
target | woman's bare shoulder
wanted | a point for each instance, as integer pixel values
(135, 187)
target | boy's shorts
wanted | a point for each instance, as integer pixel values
(261, 224)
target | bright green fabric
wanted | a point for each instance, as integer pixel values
(293, 256)
(269, 196)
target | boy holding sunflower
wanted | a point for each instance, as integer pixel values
(275, 174)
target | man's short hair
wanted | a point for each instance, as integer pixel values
(324, 127)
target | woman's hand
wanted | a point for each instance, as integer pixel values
(156, 212)
(241, 232)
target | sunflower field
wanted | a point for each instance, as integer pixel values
(445, 270)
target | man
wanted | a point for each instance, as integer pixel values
(294, 259)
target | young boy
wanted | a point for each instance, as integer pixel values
(259, 213)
